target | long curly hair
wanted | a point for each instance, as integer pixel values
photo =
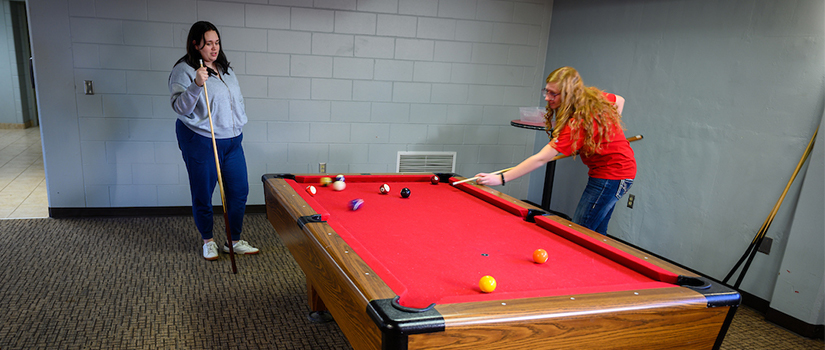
(582, 107)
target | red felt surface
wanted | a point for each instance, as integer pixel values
(430, 247)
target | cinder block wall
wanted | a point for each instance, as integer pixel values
(349, 83)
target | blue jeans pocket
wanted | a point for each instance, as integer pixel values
(624, 186)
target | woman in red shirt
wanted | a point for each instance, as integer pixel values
(588, 123)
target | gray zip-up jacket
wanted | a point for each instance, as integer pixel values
(225, 101)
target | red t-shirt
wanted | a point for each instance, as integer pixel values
(614, 160)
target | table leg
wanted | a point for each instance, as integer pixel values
(549, 174)
(314, 299)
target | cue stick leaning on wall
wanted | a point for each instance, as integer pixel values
(220, 178)
(760, 235)
(560, 156)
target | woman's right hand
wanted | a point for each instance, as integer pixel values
(201, 75)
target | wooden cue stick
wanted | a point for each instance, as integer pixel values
(220, 179)
(476, 177)
(560, 156)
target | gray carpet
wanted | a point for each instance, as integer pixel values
(141, 283)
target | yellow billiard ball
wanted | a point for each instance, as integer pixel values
(487, 284)
(326, 181)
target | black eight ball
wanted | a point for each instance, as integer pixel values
(405, 192)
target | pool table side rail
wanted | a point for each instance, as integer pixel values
(634, 263)
(648, 319)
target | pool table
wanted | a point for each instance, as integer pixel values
(403, 273)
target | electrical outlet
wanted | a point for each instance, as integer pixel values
(630, 199)
(765, 246)
(322, 167)
(88, 87)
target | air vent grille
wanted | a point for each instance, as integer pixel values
(425, 162)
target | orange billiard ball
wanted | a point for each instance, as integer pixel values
(487, 284)
(540, 256)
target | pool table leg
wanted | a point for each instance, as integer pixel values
(319, 312)
(314, 299)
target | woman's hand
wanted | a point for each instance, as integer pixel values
(488, 179)
(201, 75)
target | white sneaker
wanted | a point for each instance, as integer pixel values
(242, 247)
(210, 251)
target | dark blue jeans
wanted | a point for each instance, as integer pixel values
(597, 202)
(203, 176)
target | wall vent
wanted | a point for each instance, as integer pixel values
(425, 162)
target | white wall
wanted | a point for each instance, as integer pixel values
(727, 95)
(346, 82)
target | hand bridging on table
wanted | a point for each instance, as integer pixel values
(488, 179)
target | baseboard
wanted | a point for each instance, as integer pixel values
(782, 319)
(760, 305)
(25, 125)
(138, 211)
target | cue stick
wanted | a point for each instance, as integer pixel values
(220, 179)
(560, 156)
(750, 253)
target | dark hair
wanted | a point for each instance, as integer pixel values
(196, 36)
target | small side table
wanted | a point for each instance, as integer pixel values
(549, 172)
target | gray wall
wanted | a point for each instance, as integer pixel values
(11, 111)
(727, 95)
(346, 82)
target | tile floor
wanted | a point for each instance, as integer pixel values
(22, 179)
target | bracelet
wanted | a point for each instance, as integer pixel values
(502, 178)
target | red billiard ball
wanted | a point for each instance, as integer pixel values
(540, 256)
(356, 204)
(384, 189)
(311, 190)
(405, 192)
(434, 180)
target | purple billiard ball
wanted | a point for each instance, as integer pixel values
(356, 204)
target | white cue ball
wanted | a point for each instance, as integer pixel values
(339, 185)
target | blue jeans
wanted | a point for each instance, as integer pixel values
(203, 177)
(597, 202)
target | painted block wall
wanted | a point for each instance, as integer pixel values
(11, 111)
(349, 83)
(727, 95)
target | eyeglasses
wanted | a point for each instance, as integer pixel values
(545, 92)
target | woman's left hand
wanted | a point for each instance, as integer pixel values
(488, 179)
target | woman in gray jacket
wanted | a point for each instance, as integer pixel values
(205, 67)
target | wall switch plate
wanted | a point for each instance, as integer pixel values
(88, 87)
(322, 167)
(630, 199)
